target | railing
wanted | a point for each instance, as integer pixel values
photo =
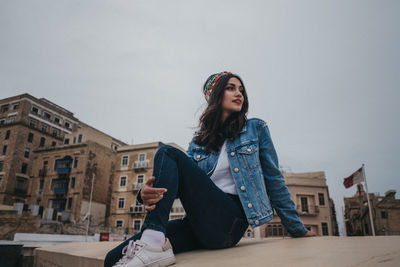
(311, 210)
(141, 164)
(136, 187)
(64, 170)
(136, 209)
(60, 190)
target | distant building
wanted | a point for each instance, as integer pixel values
(310, 193)
(48, 158)
(385, 213)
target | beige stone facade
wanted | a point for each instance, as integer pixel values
(385, 213)
(62, 177)
(311, 196)
(27, 123)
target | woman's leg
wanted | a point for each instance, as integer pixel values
(216, 219)
(178, 232)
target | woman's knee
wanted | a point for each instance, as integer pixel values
(167, 149)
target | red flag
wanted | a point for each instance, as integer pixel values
(356, 178)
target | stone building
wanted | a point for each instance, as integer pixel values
(64, 177)
(385, 213)
(134, 166)
(48, 156)
(311, 196)
(26, 124)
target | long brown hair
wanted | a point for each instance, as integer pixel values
(212, 132)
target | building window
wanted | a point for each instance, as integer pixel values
(136, 225)
(41, 184)
(76, 162)
(321, 199)
(15, 106)
(140, 179)
(122, 181)
(47, 115)
(1, 166)
(324, 228)
(4, 150)
(142, 157)
(57, 120)
(69, 203)
(121, 203)
(119, 223)
(32, 124)
(80, 138)
(35, 110)
(125, 161)
(11, 119)
(44, 128)
(27, 152)
(304, 204)
(384, 214)
(67, 125)
(24, 167)
(30, 137)
(8, 134)
(2, 121)
(42, 141)
(53, 143)
(275, 230)
(74, 139)
(55, 132)
(66, 141)
(73, 182)
(4, 108)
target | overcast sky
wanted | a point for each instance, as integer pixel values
(324, 75)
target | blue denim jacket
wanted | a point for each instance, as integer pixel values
(258, 180)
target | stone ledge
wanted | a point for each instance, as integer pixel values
(315, 251)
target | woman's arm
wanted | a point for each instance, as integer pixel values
(277, 191)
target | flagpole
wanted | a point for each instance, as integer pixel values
(369, 204)
(344, 222)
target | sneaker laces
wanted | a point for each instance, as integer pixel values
(129, 252)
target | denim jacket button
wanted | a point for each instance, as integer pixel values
(242, 188)
(236, 170)
(257, 222)
(249, 205)
(198, 156)
(248, 150)
(232, 154)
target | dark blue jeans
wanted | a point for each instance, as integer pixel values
(213, 220)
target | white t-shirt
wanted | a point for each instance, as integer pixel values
(222, 175)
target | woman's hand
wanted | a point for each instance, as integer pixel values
(310, 233)
(151, 195)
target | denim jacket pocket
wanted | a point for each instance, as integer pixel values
(249, 154)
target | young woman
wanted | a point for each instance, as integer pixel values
(228, 179)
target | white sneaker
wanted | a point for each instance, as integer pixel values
(139, 254)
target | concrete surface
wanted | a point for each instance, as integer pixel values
(315, 251)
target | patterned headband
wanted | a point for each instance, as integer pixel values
(211, 83)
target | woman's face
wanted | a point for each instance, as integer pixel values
(233, 97)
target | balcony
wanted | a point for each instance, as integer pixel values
(139, 209)
(141, 164)
(310, 211)
(136, 187)
(65, 170)
(60, 186)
